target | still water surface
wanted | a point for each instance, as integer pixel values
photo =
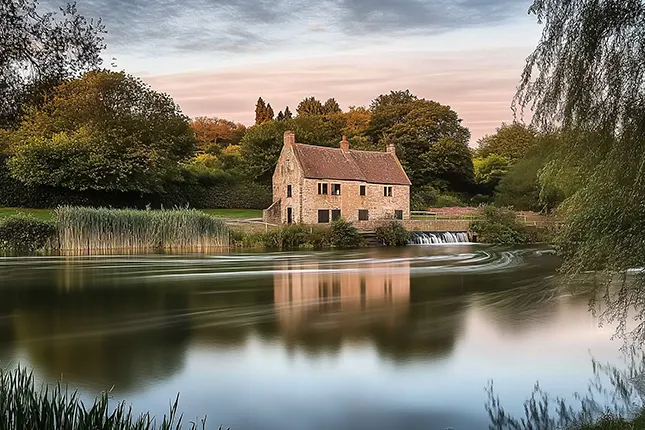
(377, 339)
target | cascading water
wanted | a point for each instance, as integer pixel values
(437, 238)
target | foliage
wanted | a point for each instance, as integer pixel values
(39, 51)
(55, 408)
(619, 407)
(393, 234)
(105, 131)
(448, 201)
(416, 126)
(499, 226)
(586, 75)
(261, 112)
(448, 162)
(344, 235)
(489, 171)
(25, 233)
(512, 141)
(422, 198)
(293, 236)
(82, 228)
(320, 237)
(215, 134)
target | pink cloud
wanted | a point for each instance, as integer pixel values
(478, 85)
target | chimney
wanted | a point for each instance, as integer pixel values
(289, 138)
(344, 144)
(391, 147)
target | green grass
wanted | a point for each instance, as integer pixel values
(234, 213)
(54, 407)
(41, 214)
(48, 214)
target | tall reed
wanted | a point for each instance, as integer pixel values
(103, 229)
(22, 406)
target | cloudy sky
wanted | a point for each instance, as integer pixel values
(215, 57)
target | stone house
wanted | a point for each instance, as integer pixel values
(315, 185)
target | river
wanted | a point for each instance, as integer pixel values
(367, 339)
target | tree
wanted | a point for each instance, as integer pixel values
(489, 171)
(310, 106)
(331, 106)
(511, 141)
(104, 131)
(280, 116)
(415, 127)
(260, 111)
(395, 98)
(269, 114)
(39, 51)
(448, 163)
(287, 113)
(215, 134)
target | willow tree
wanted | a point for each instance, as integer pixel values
(587, 78)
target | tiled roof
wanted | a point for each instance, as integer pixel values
(319, 162)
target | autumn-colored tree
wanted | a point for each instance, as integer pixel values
(104, 131)
(260, 111)
(513, 141)
(39, 51)
(310, 106)
(215, 134)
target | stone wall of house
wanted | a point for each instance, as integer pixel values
(287, 172)
(349, 201)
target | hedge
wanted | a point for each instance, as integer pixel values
(227, 195)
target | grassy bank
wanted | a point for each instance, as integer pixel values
(25, 406)
(49, 214)
(78, 229)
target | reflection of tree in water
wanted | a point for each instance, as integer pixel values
(320, 307)
(613, 392)
(104, 336)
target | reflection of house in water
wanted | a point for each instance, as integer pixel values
(318, 295)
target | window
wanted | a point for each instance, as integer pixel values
(362, 190)
(322, 189)
(323, 216)
(387, 191)
(398, 214)
(335, 214)
(288, 190)
(335, 189)
(363, 215)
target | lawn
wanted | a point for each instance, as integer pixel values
(47, 214)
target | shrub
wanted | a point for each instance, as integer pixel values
(24, 233)
(293, 236)
(271, 239)
(499, 226)
(320, 237)
(393, 234)
(344, 235)
(53, 408)
(448, 201)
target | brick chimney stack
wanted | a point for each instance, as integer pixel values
(344, 144)
(391, 147)
(289, 138)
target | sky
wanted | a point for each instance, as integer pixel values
(216, 57)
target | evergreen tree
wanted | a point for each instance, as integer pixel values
(260, 111)
(269, 114)
(280, 116)
(287, 113)
(331, 106)
(310, 106)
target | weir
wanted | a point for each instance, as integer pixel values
(437, 238)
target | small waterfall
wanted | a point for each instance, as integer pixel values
(437, 238)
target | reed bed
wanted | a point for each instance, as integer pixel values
(23, 406)
(102, 229)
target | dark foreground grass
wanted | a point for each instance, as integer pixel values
(24, 406)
